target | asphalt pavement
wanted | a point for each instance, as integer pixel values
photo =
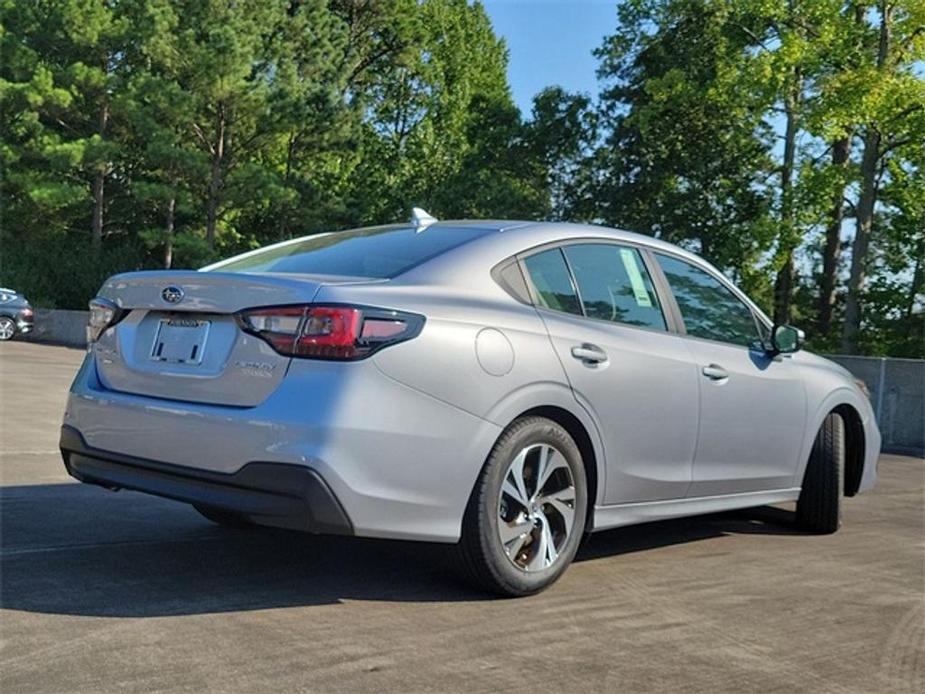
(105, 592)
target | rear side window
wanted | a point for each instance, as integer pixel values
(551, 281)
(378, 252)
(709, 308)
(614, 284)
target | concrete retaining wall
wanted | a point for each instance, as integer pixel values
(897, 391)
(60, 327)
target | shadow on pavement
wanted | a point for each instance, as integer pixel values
(762, 520)
(79, 550)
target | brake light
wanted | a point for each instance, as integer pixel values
(329, 332)
(103, 314)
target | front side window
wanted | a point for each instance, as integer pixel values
(709, 308)
(551, 281)
(614, 284)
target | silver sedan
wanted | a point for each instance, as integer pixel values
(507, 387)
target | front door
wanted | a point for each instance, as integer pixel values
(624, 365)
(752, 406)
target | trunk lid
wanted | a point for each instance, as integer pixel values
(180, 339)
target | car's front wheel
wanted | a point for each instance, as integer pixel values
(819, 505)
(7, 328)
(526, 515)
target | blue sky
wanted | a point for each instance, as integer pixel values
(551, 42)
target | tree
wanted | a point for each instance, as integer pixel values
(562, 134)
(893, 101)
(442, 123)
(165, 132)
(686, 155)
(61, 66)
(845, 52)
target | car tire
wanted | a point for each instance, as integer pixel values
(227, 519)
(551, 518)
(7, 328)
(819, 505)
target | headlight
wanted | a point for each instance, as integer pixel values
(103, 314)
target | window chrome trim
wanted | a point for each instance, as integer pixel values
(670, 309)
(673, 324)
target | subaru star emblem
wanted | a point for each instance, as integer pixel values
(172, 295)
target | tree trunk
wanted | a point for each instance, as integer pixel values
(841, 151)
(918, 276)
(867, 201)
(861, 245)
(287, 177)
(168, 231)
(705, 248)
(98, 187)
(783, 286)
(216, 181)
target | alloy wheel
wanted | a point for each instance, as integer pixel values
(536, 507)
(7, 329)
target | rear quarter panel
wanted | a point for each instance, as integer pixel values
(479, 350)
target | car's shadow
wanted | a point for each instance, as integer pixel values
(80, 550)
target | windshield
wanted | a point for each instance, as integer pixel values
(377, 252)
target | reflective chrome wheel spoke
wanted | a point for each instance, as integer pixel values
(514, 484)
(546, 552)
(6, 329)
(517, 534)
(549, 461)
(562, 503)
(536, 507)
(512, 530)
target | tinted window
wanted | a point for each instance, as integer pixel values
(709, 308)
(549, 275)
(614, 284)
(375, 252)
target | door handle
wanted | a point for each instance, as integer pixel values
(589, 354)
(715, 372)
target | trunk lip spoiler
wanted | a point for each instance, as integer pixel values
(218, 292)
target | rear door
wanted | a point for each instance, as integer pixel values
(624, 364)
(752, 406)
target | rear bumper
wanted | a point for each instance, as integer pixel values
(276, 494)
(400, 463)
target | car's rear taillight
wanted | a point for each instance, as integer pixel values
(329, 331)
(103, 314)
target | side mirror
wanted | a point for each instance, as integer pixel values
(786, 339)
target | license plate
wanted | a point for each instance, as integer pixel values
(180, 340)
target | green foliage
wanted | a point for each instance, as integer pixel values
(561, 137)
(59, 272)
(205, 128)
(721, 119)
(687, 156)
(158, 133)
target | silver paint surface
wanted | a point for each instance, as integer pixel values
(401, 436)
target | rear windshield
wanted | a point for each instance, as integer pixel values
(380, 252)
